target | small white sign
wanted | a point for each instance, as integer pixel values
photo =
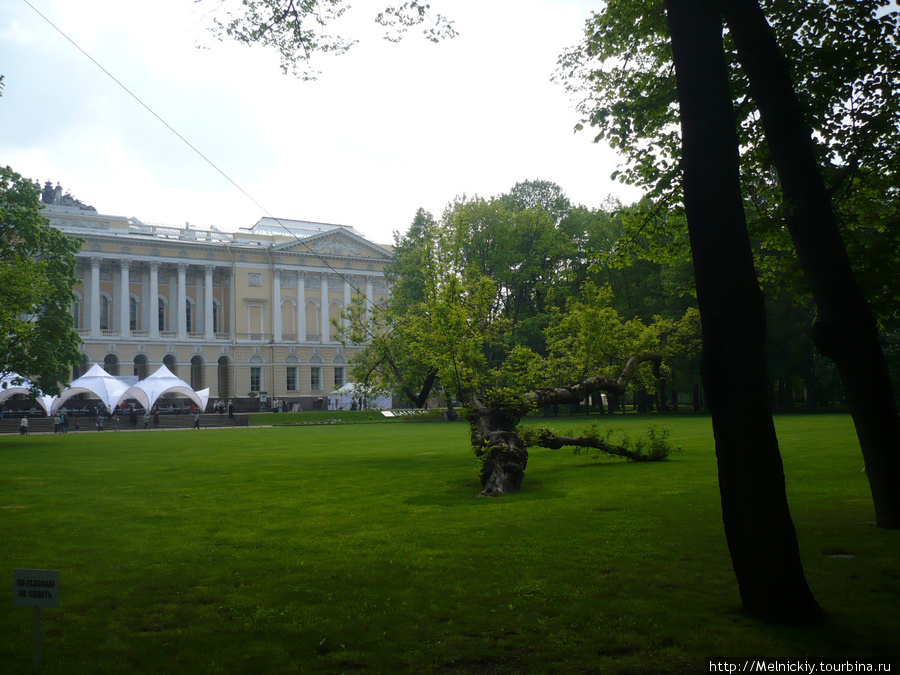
(36, 588)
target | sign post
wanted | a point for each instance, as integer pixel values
(36, 589)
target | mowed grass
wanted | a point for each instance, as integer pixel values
(362, 548)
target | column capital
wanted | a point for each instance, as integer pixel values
(96, 262)
(154, 265)
(124, 263)
(182, 267)
(209, 270)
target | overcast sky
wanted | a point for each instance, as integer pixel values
(386, 129)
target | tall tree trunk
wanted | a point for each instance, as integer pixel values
(758, 526)
(845, 330)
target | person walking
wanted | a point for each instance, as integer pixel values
(57, 423)
(197, 419)
(23, 427)
(146, 419)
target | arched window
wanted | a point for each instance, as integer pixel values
(105, 307)
(161, 313)
(77, 303)
(197, 372)
(170, 362)
(189, 315)
(224, 373)
(133, 313)
(82, 368)
(141, 366)
(111, 364)
(217, 317)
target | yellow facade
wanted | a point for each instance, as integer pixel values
(239, 313)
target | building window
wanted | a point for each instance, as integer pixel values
(76, 312)
(162, 314)
(292, 378)
(104, 312)
(217, 328)
(315, 378)
(141, 366)
(255, 378)
(338, 377)
(132, 313)
(189, 316)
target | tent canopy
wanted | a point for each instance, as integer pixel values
(95, 381)
(45, 400)
(113, 391)
(163, 381)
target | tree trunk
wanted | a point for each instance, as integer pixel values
(496, 441)
(845, 330)
(758, 526)
(499, 447)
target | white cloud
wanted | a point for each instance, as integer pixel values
(386, 129)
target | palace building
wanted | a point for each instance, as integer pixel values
(241, 313)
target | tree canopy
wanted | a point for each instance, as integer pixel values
(37, 272)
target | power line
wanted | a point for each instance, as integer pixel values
(199, 153)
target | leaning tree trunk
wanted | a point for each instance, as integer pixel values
(494, 423)
(845, 329)
(758, 526)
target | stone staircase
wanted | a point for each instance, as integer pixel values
(40, 425)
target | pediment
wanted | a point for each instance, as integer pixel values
(339, 244)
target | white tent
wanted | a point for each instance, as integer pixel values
(45, 400)
(342, 398)
(163, 381)
(12, 389)
(96, 381)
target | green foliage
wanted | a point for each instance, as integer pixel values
(37, 273)
(298, 30)
(846, 69)
(655, 445)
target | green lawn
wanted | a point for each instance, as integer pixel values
(362, 548)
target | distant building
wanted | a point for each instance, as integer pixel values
(238, 313)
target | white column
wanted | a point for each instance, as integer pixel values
(124, 299)
(325, 337)
(154, 301)
(182, 301)
(208, 304)
(301, 306)
(276, 305)
(95, 297)
(370, 296)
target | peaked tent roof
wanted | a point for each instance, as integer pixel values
(163, 381)
(12, 389)
(96, 381)
(45, 400)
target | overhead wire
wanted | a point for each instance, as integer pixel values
(326, 263)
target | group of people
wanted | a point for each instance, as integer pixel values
(220, 407)
(61, 419)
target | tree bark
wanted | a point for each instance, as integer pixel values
(845, 329)
(758, 526)
(496, 441)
